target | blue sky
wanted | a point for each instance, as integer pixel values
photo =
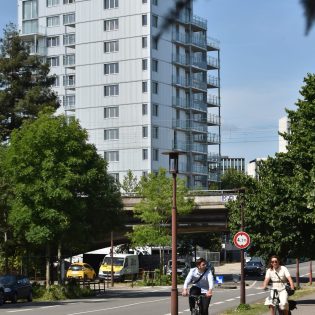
(264, 58)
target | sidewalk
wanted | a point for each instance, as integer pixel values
(305, 305)
(230, 268)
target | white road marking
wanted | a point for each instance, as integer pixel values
(117, 307)
(230, 300)
(24, 310)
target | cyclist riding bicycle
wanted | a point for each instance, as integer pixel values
(201, 279)
(279, 275)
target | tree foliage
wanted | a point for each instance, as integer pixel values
(25, 86)
(279, 211)
(234, 179)
(130, 183)
(61, 186)
(154, 210)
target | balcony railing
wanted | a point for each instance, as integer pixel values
(181, 59)
(180, 146)
(196, 20)
(194, 39)
(199, 169)
(198, 84)
(180, 80)
(213, 44)
(213, 157)
(197, 147)
(212, 81)
(213, 62)
(213, 138)
(213, 119)
(189, 125)
(199, 62)
(213, 100)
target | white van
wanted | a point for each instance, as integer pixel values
(126, 266)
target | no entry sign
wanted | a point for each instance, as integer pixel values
(241, 240)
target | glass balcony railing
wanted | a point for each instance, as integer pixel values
(199, 169)
(180, 80)
(197, 147)
(180, 102)
(212, 81)
(180, 146)
(181, 59)
(198, 84)
(213, 100)
(198, 105)
(213, 157)
(212, 62)
(195, 39)
(213, 44)
(213, 119)
(198, 21)
(189, 125)
(213, 138)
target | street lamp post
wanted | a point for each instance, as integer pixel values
(173, 169)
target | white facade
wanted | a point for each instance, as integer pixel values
(284, 127)
(253, 167)
(136, 100)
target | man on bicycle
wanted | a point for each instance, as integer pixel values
(201, 279)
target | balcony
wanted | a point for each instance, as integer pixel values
(199, 169)
(213, 44)
(199, 148)
(69, 40)
(180, 102)
(69, 61)
(181, 60)
(180, 146)
(198, 105)
(69, 19)
(188, 125)
(31, 29)
(198, 41)
(198, 84)
(212, 82)
(199, 63)
(213, 138)
(213, 157)
(180, 81)
(199, 23)
(213, 100)
(212, 63)
(213, 120)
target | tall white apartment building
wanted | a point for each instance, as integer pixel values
(135, 95)
(284, 127)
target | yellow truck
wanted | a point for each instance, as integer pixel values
(125, 266)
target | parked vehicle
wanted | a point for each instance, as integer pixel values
(256, 268)
(181, 267)
(124, 266)
(81, 271)
(16, 287)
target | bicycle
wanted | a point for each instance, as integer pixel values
(276, 302)
(196, 310)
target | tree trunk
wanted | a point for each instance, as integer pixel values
(59, 264)
(47, 266)
(297, 272)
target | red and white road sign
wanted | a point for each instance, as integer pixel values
(241, 240)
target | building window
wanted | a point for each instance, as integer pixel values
(155, 154)
(155, 65)
(69, 80)
(111, 25)
(111, 68)
(111, 156)
(112, 46)
(144, 86)
(155, 43)
(53, 21)
(144, 1)
(155, 132)
(145, 132)
(69, 39)
(110, 4)
(144, 20)
(144, 109)
(144, 154)
(53, 61)
(111, 112)
(115, 176)
(155, 20)
(52, 3)
(144, 64)
(111, 90)
(56, 81)
(155, 2)
(155, 87)
(69, 60)
(69, 101)
(144, 42)
(68, 18)
(29, 9)
(68, 1)
(111, 134)
(53, 41)
(155, 110)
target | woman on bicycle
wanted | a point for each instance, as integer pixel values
(279, 275)
(201, 279)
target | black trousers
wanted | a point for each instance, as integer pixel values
(204, 303)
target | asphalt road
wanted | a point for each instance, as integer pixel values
(146, 301)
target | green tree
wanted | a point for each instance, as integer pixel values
(25, 86)
(279, 210)
(155, 208)
(63, 194)
(233, 179)
(130, 183)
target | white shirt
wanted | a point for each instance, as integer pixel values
(205, 283)
(283, 274)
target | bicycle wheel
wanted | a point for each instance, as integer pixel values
(277, 310)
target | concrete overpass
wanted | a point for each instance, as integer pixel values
(209, 214)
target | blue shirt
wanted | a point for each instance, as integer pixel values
(205, 283)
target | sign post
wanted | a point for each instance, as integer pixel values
(242, 240)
